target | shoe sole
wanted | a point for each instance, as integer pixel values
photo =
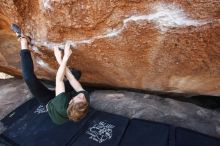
(15, 28)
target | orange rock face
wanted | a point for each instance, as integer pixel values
(170, 45)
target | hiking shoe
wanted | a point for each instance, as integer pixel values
(15, 28)
(76, 73)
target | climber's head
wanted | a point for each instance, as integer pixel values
(78, 107)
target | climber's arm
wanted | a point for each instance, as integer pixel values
(62, 69)
(59, 78)
(73, 82)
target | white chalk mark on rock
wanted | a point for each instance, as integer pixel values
(35, 49)
(165, 16)
(44, 65)
(171, 16)
(47, 4)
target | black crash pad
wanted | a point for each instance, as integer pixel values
(146, 133)
(103, 129)
(30, 125)
(35, 128)
(185, 137)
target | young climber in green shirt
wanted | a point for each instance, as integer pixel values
(60, 105)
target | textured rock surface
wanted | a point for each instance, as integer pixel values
(155, 108)
(170, 45)
(13, 93)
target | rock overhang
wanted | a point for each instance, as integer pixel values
(170, 46)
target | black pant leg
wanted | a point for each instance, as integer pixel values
(42, 93)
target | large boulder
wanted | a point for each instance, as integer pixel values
(170, 45)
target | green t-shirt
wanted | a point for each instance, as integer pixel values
(57, 108)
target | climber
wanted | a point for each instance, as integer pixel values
(60, 105)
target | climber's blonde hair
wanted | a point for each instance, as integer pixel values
(77, 111)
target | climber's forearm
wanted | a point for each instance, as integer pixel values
(73, 82)
(59, 78)
(67, 69)
(59, 60)
(61, 71)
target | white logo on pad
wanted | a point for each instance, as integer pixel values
(100, 132)
(41, 109)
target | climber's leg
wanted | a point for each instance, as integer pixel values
(42, 93)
